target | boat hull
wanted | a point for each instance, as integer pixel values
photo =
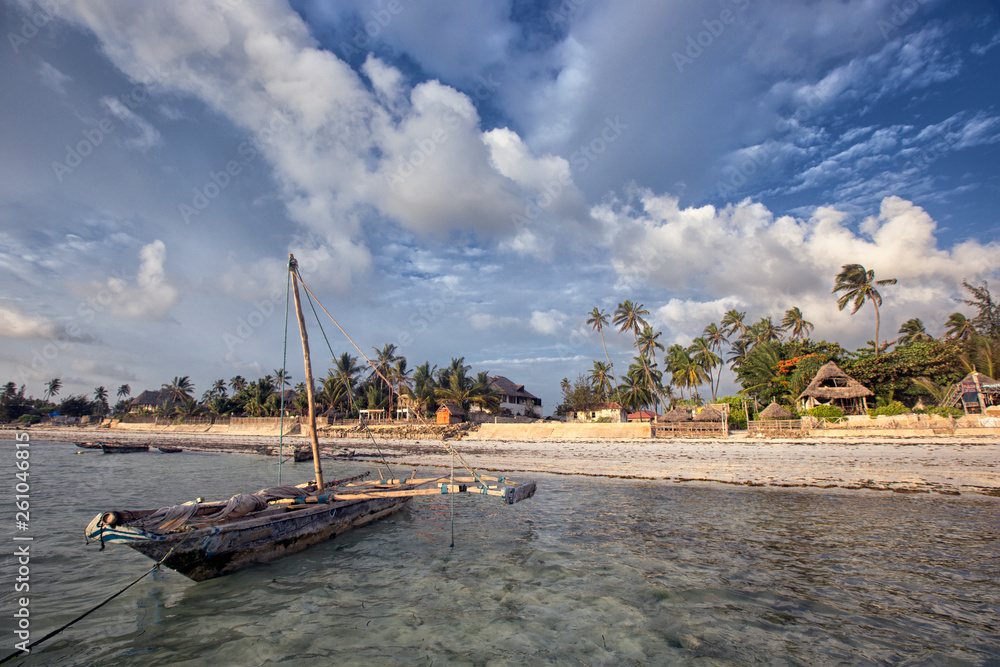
(124, 449)
(206, 553)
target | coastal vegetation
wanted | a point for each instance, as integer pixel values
(775, 362)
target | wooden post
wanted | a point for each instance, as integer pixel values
(979, 393)
(293, 266)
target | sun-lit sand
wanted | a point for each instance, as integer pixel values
(936, 464)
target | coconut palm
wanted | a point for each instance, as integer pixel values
(101, 398)
(179, 389)
(124, 391)
(281, 378)
(732, 322)
(859, 285)
(237, 383)
(630, 316)
(600, 378)
(598, 320)
(715, 337)
(648, 343)
(763, 330)
(796, 323)
(959, 328)
(913, 330)
(219, 388)
(686, 372)
(702, 354)
(9, 391)
(52, 388)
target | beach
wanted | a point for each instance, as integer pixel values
(941, 465)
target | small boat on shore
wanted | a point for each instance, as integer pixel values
(170, 450)
(123, 449)
(88, 445)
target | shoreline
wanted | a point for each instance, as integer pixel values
(941, 465)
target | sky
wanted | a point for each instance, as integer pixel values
(472, 179)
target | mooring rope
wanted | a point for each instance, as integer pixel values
(87, 613)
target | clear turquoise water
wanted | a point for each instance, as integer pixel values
(589, 571)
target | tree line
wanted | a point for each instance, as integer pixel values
(349, 386)
(775, 359)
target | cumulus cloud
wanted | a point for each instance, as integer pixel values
(549, 322)
(741, 255)
(15, 322)
(150, 297)
(342, 149)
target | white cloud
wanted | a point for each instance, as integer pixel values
(487, 322)
(548, 322)
(150, 298)
(146, 136)
(16, 323)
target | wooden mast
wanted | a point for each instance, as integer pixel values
(293, 266)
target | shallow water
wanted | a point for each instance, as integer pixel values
(589, 571)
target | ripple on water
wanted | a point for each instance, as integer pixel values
(593, 571)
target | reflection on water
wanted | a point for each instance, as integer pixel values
(591, 571)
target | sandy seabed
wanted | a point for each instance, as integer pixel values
(945, 465)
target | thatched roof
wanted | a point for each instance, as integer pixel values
(708, 414)
(452, 407)
(775, 411)
(678, 414)
(831, 382)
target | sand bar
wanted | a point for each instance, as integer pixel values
(946, 465)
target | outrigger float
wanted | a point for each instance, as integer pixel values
(203, 540)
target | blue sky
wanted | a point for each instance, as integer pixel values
(471, 179)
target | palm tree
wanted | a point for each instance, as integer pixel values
(630, 316)
(764, 330)
(702, 354)
(648, 343)
(715, 337)
(795, 322)
(237, 383)
(219, 388)
(9, 391)
(282, 378)
(340, 383)
(400, 376)
(101, 397)
(598, 320)
(732, 322)
(179, 389)
(52, 388)
(600, 378)
(459, 387)
(859, 285)
(913, 330)
(686, 372)
(959, 328)
(124, 391)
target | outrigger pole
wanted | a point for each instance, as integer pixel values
(293, 267)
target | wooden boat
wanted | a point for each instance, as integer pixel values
(170, 450)
(123, 449)
(88, 445)
(205, 540)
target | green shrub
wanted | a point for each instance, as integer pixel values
(946, 411)
(891, 409)
(29, 419)
(825, 412)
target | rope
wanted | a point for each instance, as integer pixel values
(350, 396)
(85, 614)
(452, 545)
(284, 367)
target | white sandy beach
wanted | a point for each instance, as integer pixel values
(931, 465)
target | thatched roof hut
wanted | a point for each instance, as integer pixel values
(775, 411)
(708, 414)
(832, 386)
(678, 414)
